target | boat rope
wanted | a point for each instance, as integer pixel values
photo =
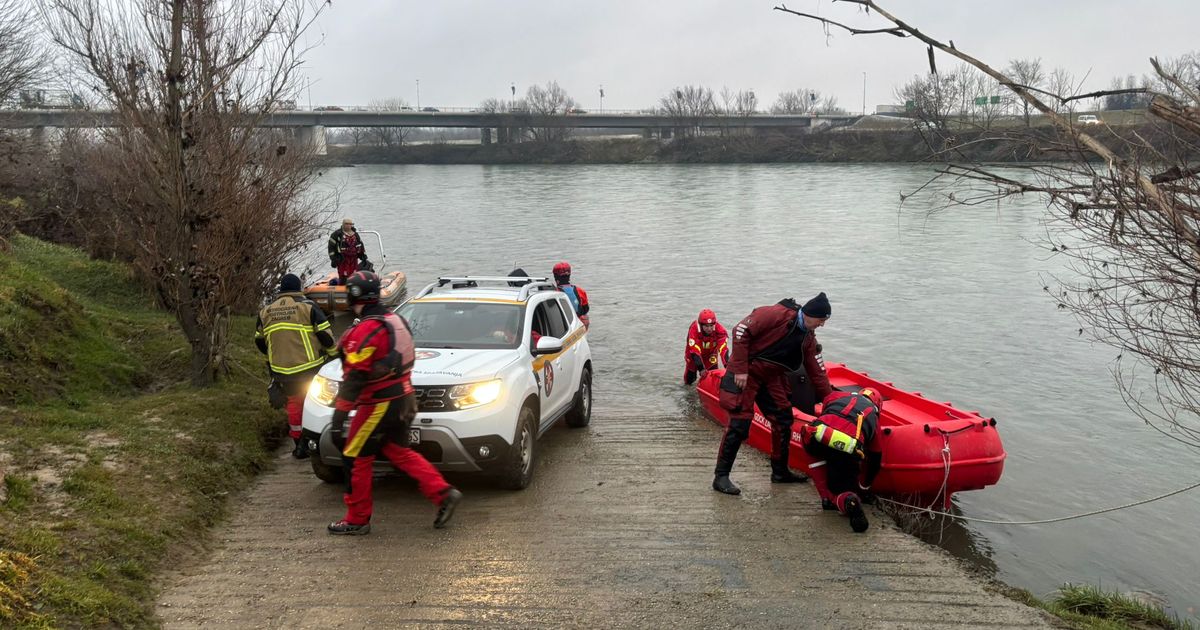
(1048, 520)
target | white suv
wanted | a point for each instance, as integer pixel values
(486, 392)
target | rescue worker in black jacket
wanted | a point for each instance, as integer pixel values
(769, 343)
(346, 250)
(295, 335)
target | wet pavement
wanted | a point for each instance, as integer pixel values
(619, 529)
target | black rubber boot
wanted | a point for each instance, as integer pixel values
(342, 528)
(780, 473)
(858, 518)
(731, 443)
(828, 505)
(300, 449)
(446, 510)
(721, 483)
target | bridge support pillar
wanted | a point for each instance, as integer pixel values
(485, 135)
(313, 137)
(647, 133)
(665, 133)
(37, 136)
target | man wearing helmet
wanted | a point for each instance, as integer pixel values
(377, 360)
(841, 441)
(771, 342)
(707, 342)
(578, 297)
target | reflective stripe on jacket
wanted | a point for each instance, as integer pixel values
(290, 325)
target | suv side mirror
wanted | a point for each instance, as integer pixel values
(548, 345)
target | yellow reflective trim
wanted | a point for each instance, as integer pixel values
(360, 356)
(325, 325)
(308, 349)
(299, 368)
(364, 432)
(286, 326)
(540, 361)
(468, 299)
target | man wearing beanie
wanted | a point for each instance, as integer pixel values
(296, 337)
(768, 345)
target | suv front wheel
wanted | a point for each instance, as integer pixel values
(581, 409)
(518, 470)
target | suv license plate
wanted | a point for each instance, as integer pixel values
(414, 436)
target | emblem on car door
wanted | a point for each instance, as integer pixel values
(548, 373)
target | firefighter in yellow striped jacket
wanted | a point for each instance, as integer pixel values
(296, 337)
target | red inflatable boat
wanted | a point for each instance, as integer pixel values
(930, 449)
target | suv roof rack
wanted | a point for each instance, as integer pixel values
(528, 284)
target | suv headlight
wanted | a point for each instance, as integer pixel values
(323, 390)
(475, 394)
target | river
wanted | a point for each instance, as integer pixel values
(947, 303)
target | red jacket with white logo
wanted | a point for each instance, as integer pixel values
(706, 348)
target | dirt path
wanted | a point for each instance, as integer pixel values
(620, 529)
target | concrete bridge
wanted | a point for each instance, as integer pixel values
(508, 126)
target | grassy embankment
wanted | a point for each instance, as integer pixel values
(112, 467)
(1089, 608)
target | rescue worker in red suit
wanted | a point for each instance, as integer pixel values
(377, 360)
(577, 296)
(346, 250)
(707, 343)
(842, 442)
(768, 344)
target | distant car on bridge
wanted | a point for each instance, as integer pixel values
(328, 108)
(430, 109)
(576, 110)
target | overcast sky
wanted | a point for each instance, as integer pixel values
(464, 51)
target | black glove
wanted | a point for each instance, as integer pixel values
(337, 428)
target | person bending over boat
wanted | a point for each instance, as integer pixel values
(841, 442)
(295, 335)
(768, 344)
(578, 297)
(707, 342)
(377, 361)
(346, 250)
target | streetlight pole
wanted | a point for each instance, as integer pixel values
(864, 93)
(602, 97)
(418, 95)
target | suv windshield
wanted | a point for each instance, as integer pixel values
(472, 325)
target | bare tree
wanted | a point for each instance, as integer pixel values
(493, 106)
(1132, 93)
(1127, 218)
(934, 98)
(806, 101)
(1027, 73)
(22, 58)
(212, 207)
(1062, 83)
(550, 100)
(388, 136)
(687, 105)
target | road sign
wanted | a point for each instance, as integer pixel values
(910, 105)
(981, 100)
(995, 100)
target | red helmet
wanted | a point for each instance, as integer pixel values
(706, 317)
(874, 395)
(562, 269)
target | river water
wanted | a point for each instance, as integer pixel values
(947, 303)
